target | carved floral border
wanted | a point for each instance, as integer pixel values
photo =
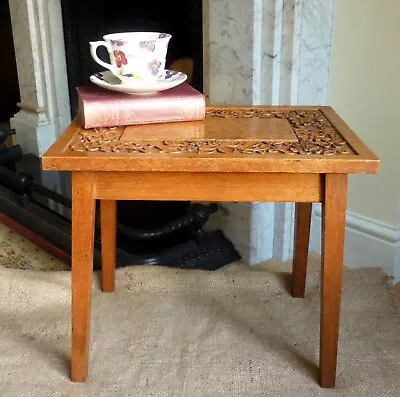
(315, 134)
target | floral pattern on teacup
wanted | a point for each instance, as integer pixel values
(170, 73)
(162, 35)
(154, 66)
(148, 45)
(120, 58)
(117, 42)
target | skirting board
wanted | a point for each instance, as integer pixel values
(369, 243)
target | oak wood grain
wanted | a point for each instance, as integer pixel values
(334, 222)
(83, 217)
(60, 157)
(302, 238)
(208, 163)
(245, 129)
(108, 215)
(208, 186)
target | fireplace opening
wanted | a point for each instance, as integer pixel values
(8, 69)
(86, 21)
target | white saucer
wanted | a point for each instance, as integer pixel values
(169, 79)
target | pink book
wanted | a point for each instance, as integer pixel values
(101, 108)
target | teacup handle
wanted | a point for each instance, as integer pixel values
(93, 51)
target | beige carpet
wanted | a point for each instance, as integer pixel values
(166, 332)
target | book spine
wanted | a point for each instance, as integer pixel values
(143, 112)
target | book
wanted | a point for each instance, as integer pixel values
(101, 108)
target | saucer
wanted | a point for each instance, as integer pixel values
(169, 79)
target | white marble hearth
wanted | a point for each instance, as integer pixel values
(255, 52)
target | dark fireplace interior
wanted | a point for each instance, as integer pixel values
(8, 68)
(9, 86)
(85, 21)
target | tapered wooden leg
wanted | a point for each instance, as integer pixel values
(83, 217)
(333, 224)
(108, 213)
(302, 238)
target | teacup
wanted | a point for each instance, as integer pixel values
(134, 55)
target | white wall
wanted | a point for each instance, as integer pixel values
(365, 91)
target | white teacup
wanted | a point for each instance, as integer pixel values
(134, 55)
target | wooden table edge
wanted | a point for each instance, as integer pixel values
(311, 164)
(58, 158)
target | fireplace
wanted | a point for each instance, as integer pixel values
(254, 52)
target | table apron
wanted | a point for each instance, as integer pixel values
(212, 186)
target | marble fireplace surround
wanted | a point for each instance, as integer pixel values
(255, 52)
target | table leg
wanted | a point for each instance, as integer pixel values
(83, 217)
(333, 225)
(302, 237)
(108, 213)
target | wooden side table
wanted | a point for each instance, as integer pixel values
(287, 154)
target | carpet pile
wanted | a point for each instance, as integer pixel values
(169, 332)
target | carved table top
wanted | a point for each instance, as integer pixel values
(230, 139)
